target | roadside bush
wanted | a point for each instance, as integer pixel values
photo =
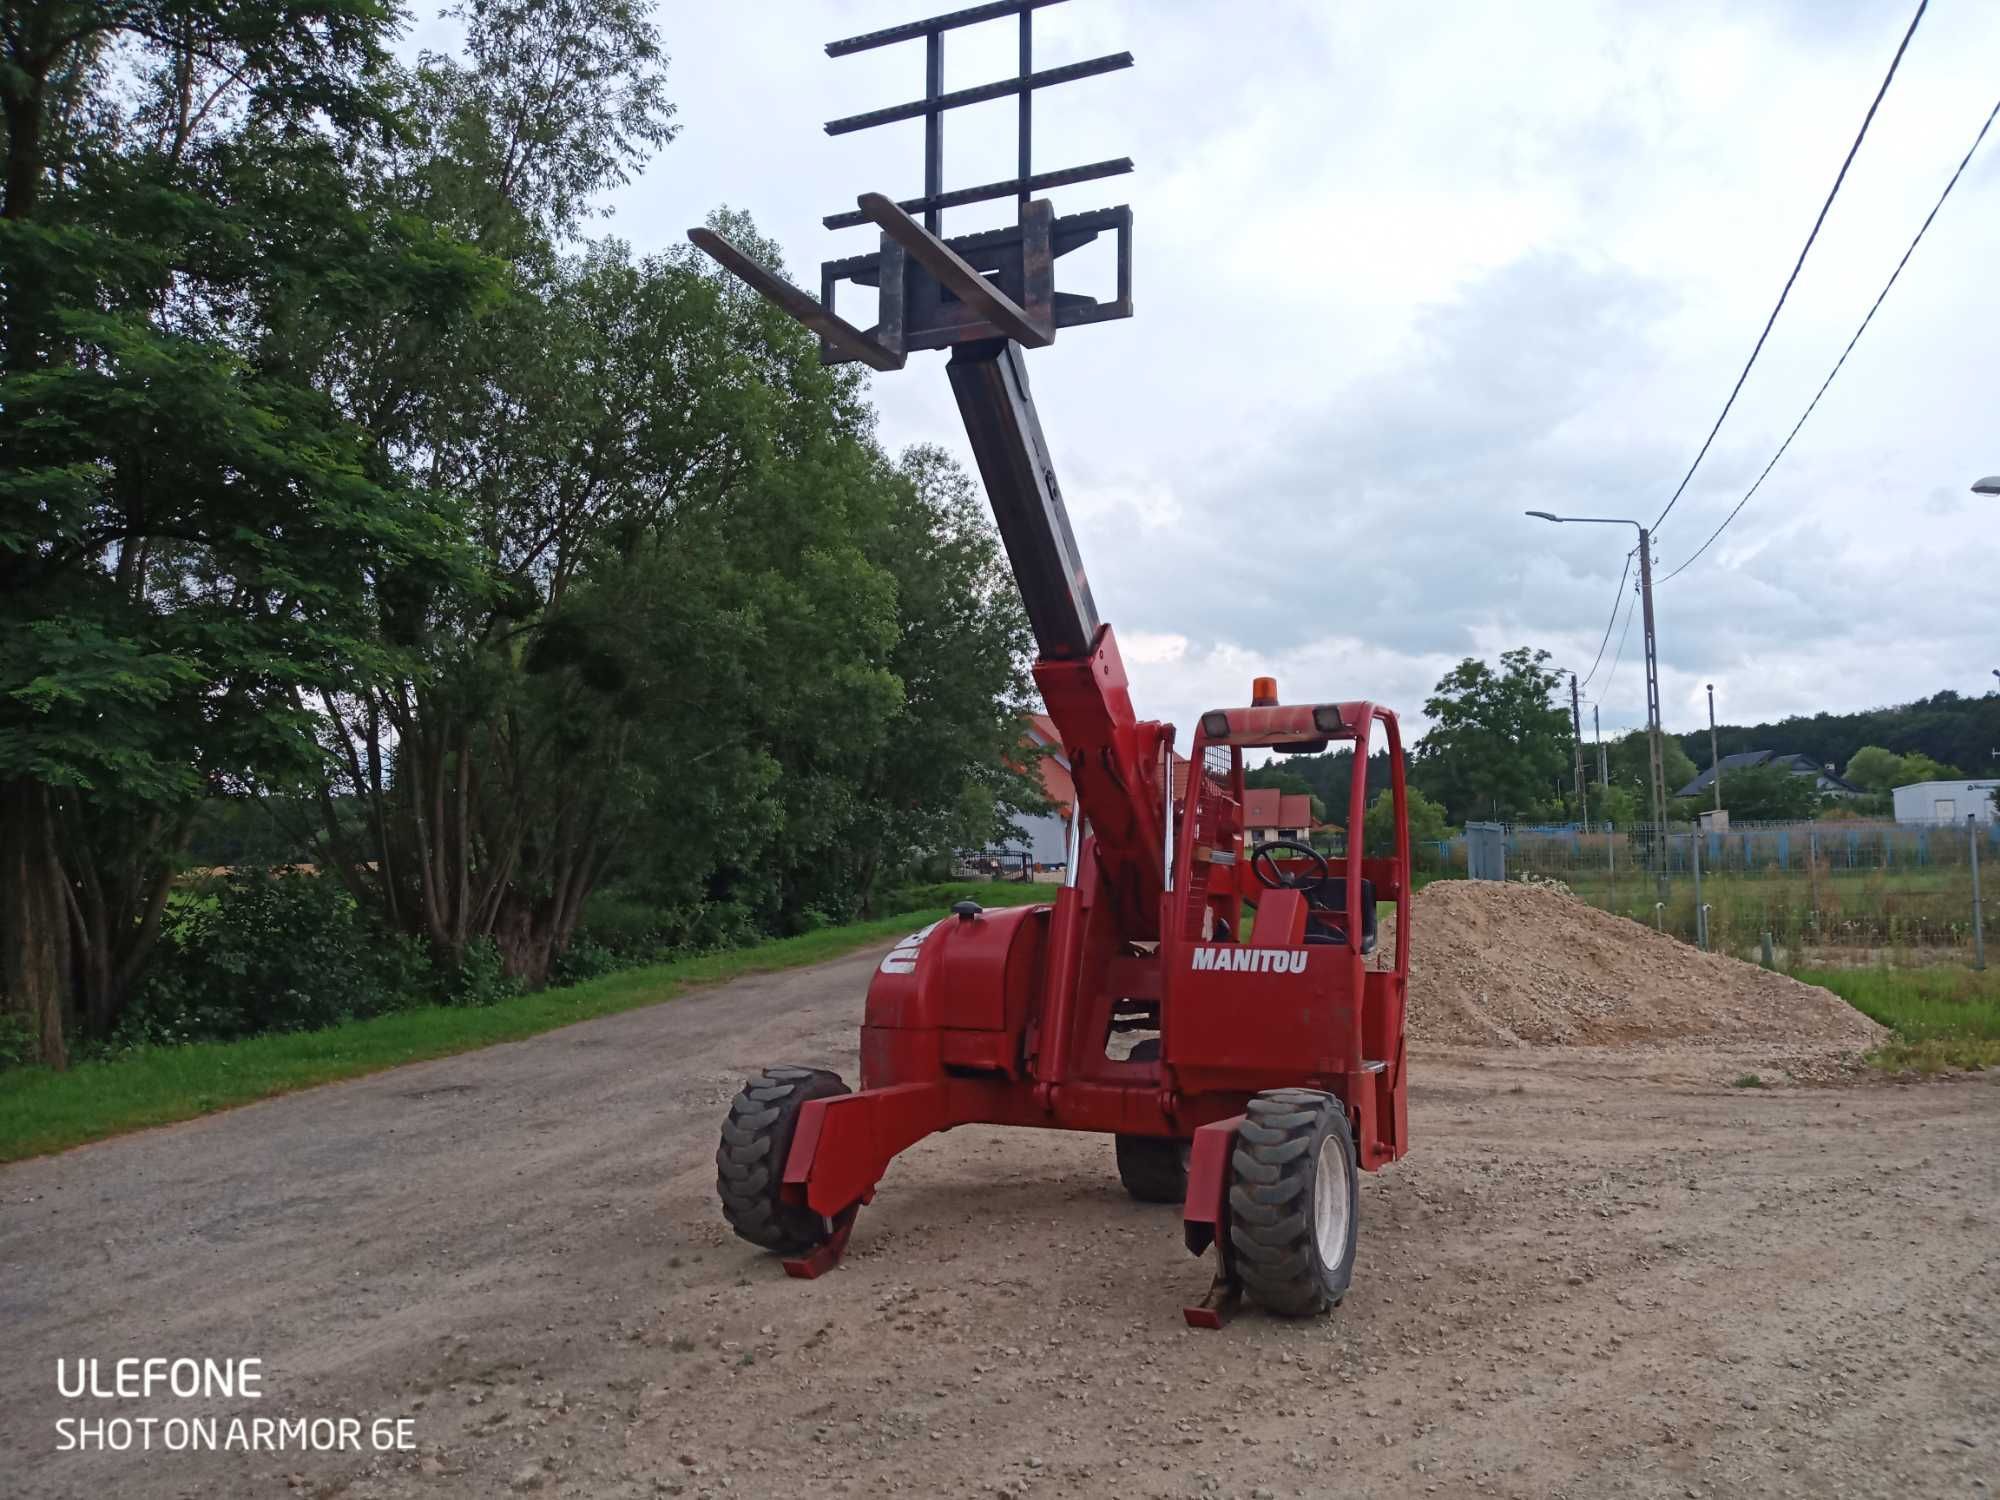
(711, 926)
(258, 953)
(634, 930)
(17, 1042)
(625, 926)
(481, 977)
(585, 959)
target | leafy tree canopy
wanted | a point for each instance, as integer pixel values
(1873, 768)
(1768, 793)
(1917, 766)
(1500, 743)
(1427, 822)
(1954, 729)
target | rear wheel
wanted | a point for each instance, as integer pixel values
(1154, 1170)
(750, 1162)
(1292, 1201)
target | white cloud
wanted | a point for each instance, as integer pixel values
(1404, 272)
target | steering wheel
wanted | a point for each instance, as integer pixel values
(1265, 868)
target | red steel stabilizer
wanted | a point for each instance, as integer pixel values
(1213, 1002)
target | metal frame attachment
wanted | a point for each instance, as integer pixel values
(933, 292)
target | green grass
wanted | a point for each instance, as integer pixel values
(42, 1110)
(1944, 1017)
(1927, 907)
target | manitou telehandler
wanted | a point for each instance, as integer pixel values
(1270, 1063)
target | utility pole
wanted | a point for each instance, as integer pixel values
(1604, 779)
(1714, 757)
(1576, 740)
(1659, 775)
(1978, 923)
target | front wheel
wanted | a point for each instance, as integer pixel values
(750, 1162)
(1293, 1201)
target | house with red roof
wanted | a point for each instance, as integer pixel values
(1271, 814)
(1046, 845)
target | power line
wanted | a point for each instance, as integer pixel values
(1995, 111)
(1598, 701)
(1617, 595)
(1782, 295)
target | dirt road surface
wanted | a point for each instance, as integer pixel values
(1596, 1274)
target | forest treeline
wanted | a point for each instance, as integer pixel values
(1948, 728)
(1500, 745)
(356, 482)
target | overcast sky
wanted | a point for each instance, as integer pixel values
(1403, 272)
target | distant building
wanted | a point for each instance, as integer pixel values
(1271, 814)
(1046, 845)
(1799, 765)
(1944, 801)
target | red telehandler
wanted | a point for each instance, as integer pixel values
(1271, 1061)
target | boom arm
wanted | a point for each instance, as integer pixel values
(990, 380)
(1118, 763)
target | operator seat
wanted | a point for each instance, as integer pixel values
(1328, 910)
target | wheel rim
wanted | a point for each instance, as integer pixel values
(1330, 1205)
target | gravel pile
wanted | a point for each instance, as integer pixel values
(1506, 964)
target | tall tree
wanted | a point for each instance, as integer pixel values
(1769, 793)
(1873, 768)
(1499, 741)
(188, 532)
(945, 772)
(1629, 758)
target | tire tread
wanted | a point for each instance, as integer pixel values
(1270, 1209)
(756, 1135)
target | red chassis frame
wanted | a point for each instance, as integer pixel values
(1002, 1017)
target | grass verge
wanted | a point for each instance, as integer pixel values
(1945, 1018)
(42, 1110)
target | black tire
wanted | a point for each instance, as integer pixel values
(1294, 1157)
(750, 1162)
(1153, 1170)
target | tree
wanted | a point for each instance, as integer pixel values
(1917, 766)
(721, 647)
(1629, 760)
(1499, 741)
(1769, 793)
(1617, 805)
(342, 471)
(1873, 768)
(1378, 824)
(189, 530)
(1949, 727)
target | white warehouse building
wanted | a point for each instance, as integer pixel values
(1945, 801)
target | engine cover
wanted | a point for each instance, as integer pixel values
(959, 994)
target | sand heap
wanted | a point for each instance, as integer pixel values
(1505, 964)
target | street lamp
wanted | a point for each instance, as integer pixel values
(1659, 776)
(1990, 485)
(1714, 754)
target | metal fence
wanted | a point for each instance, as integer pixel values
(1828, 884)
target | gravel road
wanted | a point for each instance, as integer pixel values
(1597, 1273)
